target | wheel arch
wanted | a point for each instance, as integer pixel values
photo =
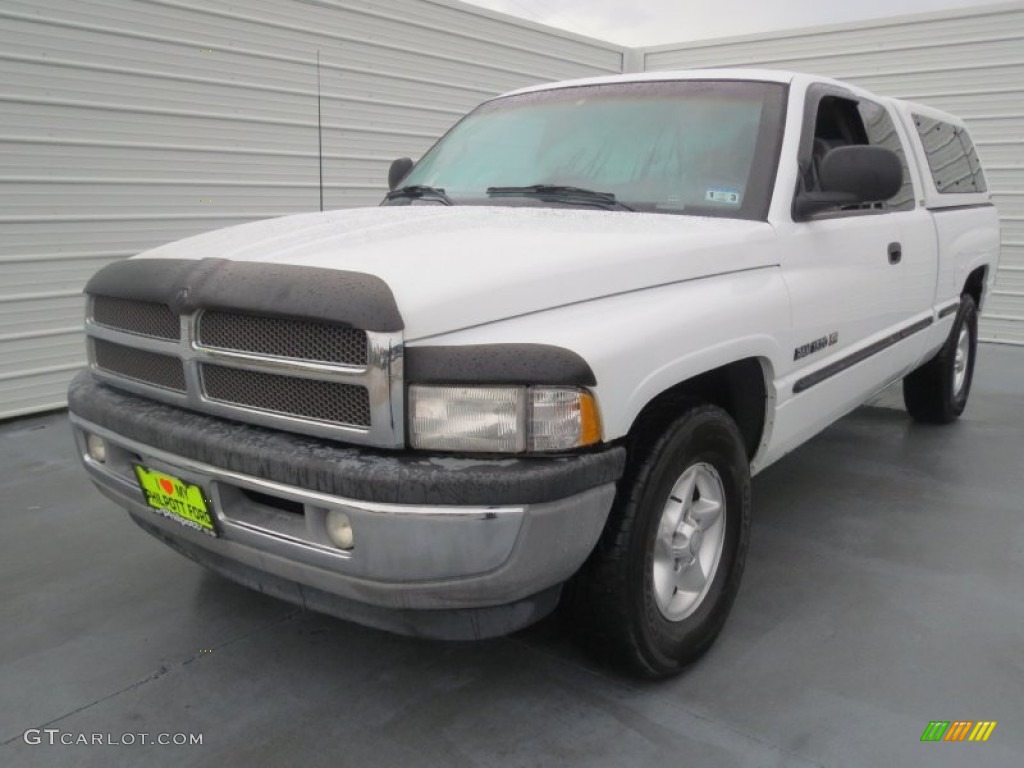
(975, 284)
(742, 388)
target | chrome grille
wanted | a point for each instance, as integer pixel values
(139, 364)
(144, 318)
(282, 337)
(329, 401)
(313, 378)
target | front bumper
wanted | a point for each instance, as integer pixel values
(444, 547)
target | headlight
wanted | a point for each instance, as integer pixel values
(501, 419)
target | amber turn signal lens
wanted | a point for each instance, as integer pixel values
(590, 421)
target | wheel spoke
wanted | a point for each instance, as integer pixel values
(692, 578)
(664, 581)
(705, 512)
(663, 547)
(678, 503)
(683, 489)
(670, 518)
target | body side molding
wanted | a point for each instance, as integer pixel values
(860, 355)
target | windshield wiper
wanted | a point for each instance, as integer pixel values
(420, 191)
(560, 192)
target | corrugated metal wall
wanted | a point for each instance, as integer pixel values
(128, 123)
(970, 63)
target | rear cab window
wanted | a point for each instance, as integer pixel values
(951, 156)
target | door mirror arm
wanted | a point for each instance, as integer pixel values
(806, 204)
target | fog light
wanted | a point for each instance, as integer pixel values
(97, 448)
(339, 529)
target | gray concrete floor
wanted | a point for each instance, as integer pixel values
(883, 590)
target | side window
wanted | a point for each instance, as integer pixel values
(841, 122)
(952, 158)
(881, 132)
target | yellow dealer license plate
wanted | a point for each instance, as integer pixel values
(174, 498)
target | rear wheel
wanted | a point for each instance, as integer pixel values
(658, 588)
(937, 392)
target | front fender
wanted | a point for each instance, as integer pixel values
(641, 343)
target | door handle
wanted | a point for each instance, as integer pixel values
(895, 253)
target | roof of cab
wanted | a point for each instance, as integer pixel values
(763, 75)
(728, 73)
(768, 76)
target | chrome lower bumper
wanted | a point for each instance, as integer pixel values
(408, 559)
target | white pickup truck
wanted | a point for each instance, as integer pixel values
(546, 367)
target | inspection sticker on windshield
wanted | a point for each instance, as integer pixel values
(727, 196)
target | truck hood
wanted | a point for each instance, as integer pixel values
(455, 267)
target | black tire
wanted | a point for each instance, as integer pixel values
(930, 392)
(611, 603)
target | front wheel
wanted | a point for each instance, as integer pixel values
(937, 392)
(657, 590)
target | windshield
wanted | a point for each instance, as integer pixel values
(705, 148)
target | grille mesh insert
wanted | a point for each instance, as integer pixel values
(283, 337)
(140, 317)
(139, 364)
(306, 398)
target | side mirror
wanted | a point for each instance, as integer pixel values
(399, 170)
(853, 175)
